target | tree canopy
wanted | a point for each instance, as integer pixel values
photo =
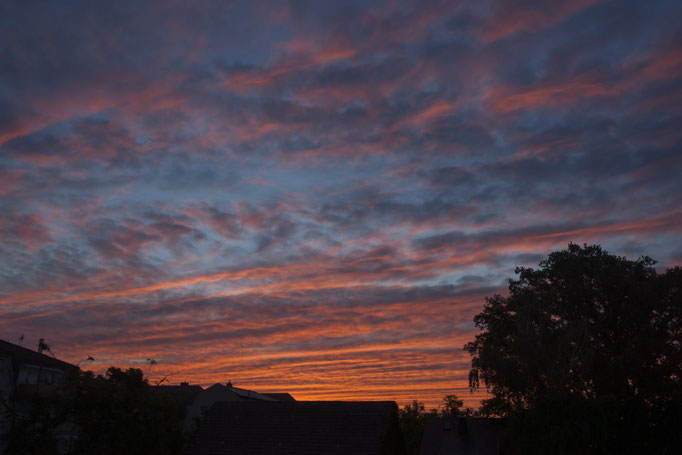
(584, 353)
(106, 414)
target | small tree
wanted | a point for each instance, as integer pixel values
(412, 425)
(451, 407)
(414, 414)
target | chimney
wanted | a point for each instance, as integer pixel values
(184, 384)
(229, 383)
(41, 343)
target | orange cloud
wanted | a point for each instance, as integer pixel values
(512, 17)
(507, 99)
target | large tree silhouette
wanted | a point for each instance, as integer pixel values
(584, 354)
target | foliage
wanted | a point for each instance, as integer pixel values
(451, 407)
(412, 424)
(584, 354)
(32, 422)
(413, 415)
(115, 413)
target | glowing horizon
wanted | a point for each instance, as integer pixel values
(317, 197)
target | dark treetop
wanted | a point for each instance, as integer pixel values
(585, 353)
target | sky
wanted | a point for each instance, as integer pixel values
(317, 197)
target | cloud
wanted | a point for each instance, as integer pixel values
(317, 197)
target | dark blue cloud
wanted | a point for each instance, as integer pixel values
(318, 185)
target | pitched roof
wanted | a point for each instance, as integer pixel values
(279, 396)
(295, 427)
(246, 394)
(23, 356)
(183, 394)
(461, 436)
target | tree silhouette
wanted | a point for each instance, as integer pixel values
(584, 354)
(111, 414)
(413, 415)
(451, 407)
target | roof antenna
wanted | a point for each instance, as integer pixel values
(42, 345)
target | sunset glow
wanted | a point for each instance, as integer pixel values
(316, 197)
